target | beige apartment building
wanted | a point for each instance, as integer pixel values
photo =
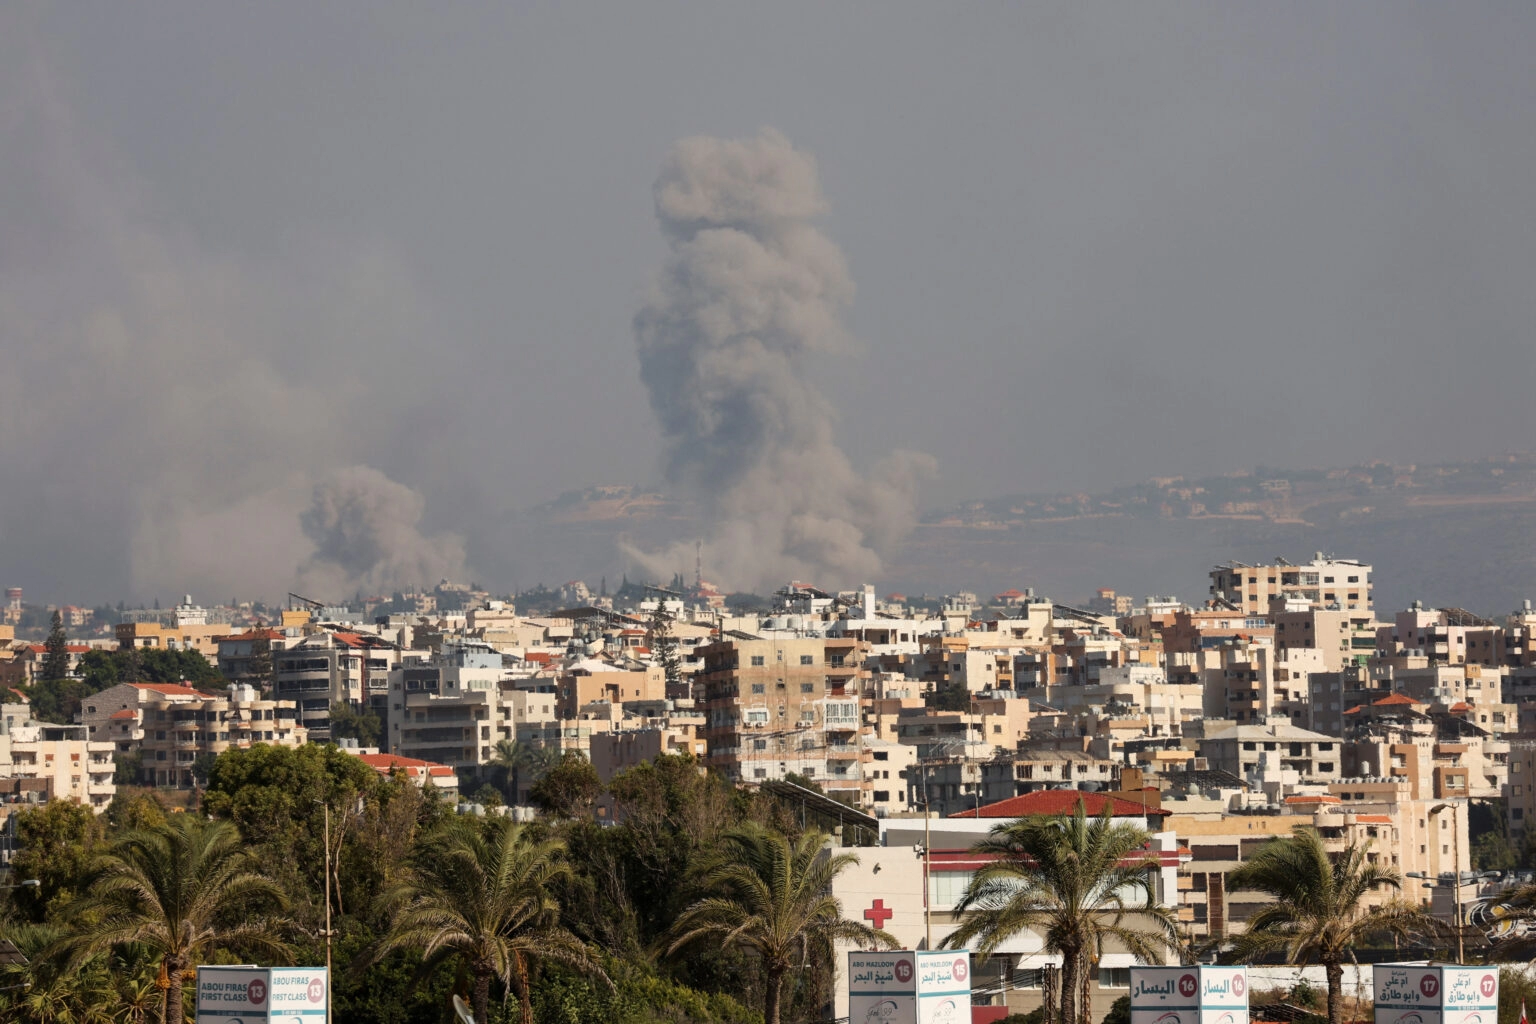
(333, 667)
(1324, 581)
(171, 725)
(189, 636)
(40, 761)
(778, 706)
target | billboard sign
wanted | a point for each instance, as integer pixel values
(1189, 995)
(261, 995)
(909, 987)
(1420, 994)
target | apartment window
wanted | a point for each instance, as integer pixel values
(807, 687)
(759, 744)
(758, 687)
(1114, 977)
(882, 796)
(807, 659)
(759, 773)
(757, 660)
(1353, 579)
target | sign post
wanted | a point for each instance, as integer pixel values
(262, 995)
(1189, 995)
(909, 987)
(1420, 994)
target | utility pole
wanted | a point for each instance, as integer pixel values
(328, 931)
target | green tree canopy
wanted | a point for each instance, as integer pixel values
(57, 844)
(185, 890)
(483, 894)
(56, 657)
(569, 789)
(771, 897)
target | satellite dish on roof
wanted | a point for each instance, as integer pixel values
(461, 1010)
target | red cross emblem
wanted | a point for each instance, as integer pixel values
(879, 913)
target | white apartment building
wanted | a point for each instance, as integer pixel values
(59, 761)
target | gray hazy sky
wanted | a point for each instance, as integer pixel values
(246, 246)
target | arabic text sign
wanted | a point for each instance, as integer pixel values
(1189, 995)
(909, 987)
(882, 988)
(1414, 986)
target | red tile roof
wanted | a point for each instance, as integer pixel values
(1058, 801)
(1459, 706)
(124, 713)
(1374, 819)
(1395, 699)
(1312, 798)
(385, 763)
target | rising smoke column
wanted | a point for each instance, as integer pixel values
(366, 532)
(751, 293)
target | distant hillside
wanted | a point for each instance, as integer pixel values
(1456, 533)
(1459, 533)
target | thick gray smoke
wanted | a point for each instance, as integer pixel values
(752, 293)
(167, 406)
(366, 532)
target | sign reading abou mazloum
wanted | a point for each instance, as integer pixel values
(1189, 995)
(909, 987)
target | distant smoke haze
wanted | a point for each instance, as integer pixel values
(366, 532)
(750, 298)
(168, 412)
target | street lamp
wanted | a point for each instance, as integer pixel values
(1461, 953)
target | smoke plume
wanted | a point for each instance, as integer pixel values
(166, 405)
(751, 294)
(366, 532)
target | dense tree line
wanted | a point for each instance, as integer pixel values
(555, 920)
(56, 696)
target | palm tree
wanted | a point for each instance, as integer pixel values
(511, 758)
(183, 890)
(47, 986)
(772, 898)
(482, 893)
(1319, 913)
(1076, 882)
